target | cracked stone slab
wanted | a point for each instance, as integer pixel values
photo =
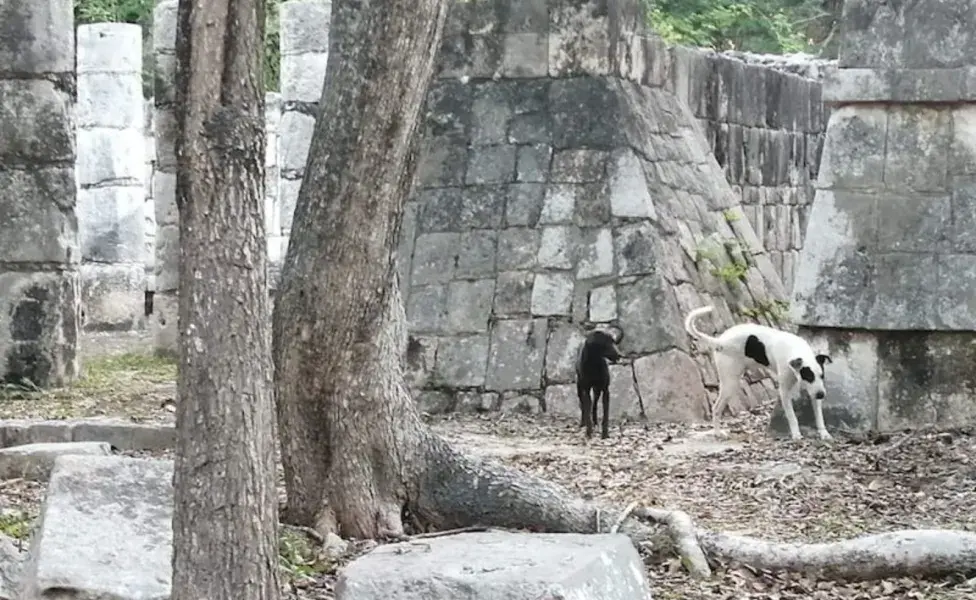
(499, 565)
(34, 462)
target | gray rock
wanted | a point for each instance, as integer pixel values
(552, 294)
(469, 305)
(496, 565)
(532, 164)
(35, 461)
(557, 247)
(562, 401)
(427, 308)
(476, 254)
(671, 387)
(518, 348)
(513, 293)
(595, 254)
(524, 204)
(462, 360)
(105, 530)
(565, 342)
(603, 304)
(518, 248)
(491, 164)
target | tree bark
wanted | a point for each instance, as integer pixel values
(356, 456)
(225, 519)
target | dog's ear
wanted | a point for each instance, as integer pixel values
(823, 359)
(796, 363)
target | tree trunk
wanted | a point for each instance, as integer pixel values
(225, 519)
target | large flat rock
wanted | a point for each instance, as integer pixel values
(105, 531)
(34, 462)
(498, 565)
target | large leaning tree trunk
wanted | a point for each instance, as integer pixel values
(356, 455)
(225, 520)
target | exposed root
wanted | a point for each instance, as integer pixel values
(623, 517)
(685, 538)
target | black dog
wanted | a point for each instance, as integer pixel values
(593, 374)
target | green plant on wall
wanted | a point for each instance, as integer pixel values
(775, 310)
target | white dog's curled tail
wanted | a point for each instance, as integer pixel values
(694, 332)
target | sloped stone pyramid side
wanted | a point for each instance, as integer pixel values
(546, 206)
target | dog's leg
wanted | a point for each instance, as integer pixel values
(585, 402)
(818, 416)
(605, 426)
(579, 397)
(788, 388)
(729, 373)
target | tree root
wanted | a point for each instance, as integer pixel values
(461, 491)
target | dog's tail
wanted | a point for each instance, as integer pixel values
(694, 332)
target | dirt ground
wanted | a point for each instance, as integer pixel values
(750, 484)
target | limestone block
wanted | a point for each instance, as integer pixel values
(518, 348)
(529, 128)
(956, 292)
(303, 75)
(459, 209)
(288, 189)
(111, 224)
(578, 166)
(434, 258)
(112, 296)
(495, 565)
(915, 131)
(12, 558)
(524, 205)
(163, 323)
(110, 155)
(671, 387)
(426, 308)
(925, 379)
(595, 254)
(903, 302)
(625, 401)
(579, 40)
(513, 293)
(582, 112)
(105, 530)
(491, 112)
(853, 154)
(525, 55)
(165, 24)
(37, 220)
(44, 117)
(908, 223)
(420, 358)
(164, 86)
(562, 401)
(552, 294)
(518, 248)
(557, 247)
(532, 163)
(490, 164)
(442, 161)
(34, 462)
(462, 361)
(166, 130)
(109, 48)
(629, 196)
(635, 248)
(41, 38)
(404, 251)
(294, 141)
(565, 341)
(603, 304)
(469, 305)
(649, 315)
(962, 157)
(476, 254)
(167, 258)
(111, 100)
(305, 27)
(963, 228)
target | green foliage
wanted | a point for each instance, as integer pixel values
(765, 26)
(16, 524)
(776, 310)
(299, 558)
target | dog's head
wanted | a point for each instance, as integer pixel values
(811, 375)
(604, 343)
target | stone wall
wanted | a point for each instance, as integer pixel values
(39, 255)
(889, 281)
(564, 184)
(111, 172)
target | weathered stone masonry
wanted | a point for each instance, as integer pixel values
(889, 278)
(39, 255)
(563, 182)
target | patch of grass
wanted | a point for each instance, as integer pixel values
(106, 372)
(299, 558)
(16, 524)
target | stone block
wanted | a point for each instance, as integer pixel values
(499, 564)
(853, 154)
(518, 349)
(903, 302)
(163, 323)
(473, 56)
(427, 308)
(579, 39)
(112, 100)
(925, 379)
(124, 435)
(579, 166)
(476, 254)
(37, 218)
(41, 38)
(295, 139)
(458, 209)
(434, 258)
(513, 293)
(595, 254)
(518, 248)
(105, 530)
(305, 28)
(565, 341)
(635, 248)
(583, 113)
(166, 130)
(552, 294)
(557, 247)
(592, 205)
(435, 402)
(956, 292)
(649, 316)
(629, 195)
(625, 401)
(529, 128)
(112, 296)
(559, 204)
(491, 164)
(525, 55)
(111, 224)
(451, 108)
(562, 401)
(962, 154)
(603, 304)
(404, 249)
(915, 131)
(913, 223)
(421, 356)
(491, 112)
(442, 161)
(532, 163)
(962, 230)
(474, 402)
(36, 122)
(165, 24)
(462, 361)
(164, 80)
(469, 305)
(110, 155)
(524, 206)
(34, 462)
(39, 337)
(303, 75)
(109, 48)
(671, 387)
